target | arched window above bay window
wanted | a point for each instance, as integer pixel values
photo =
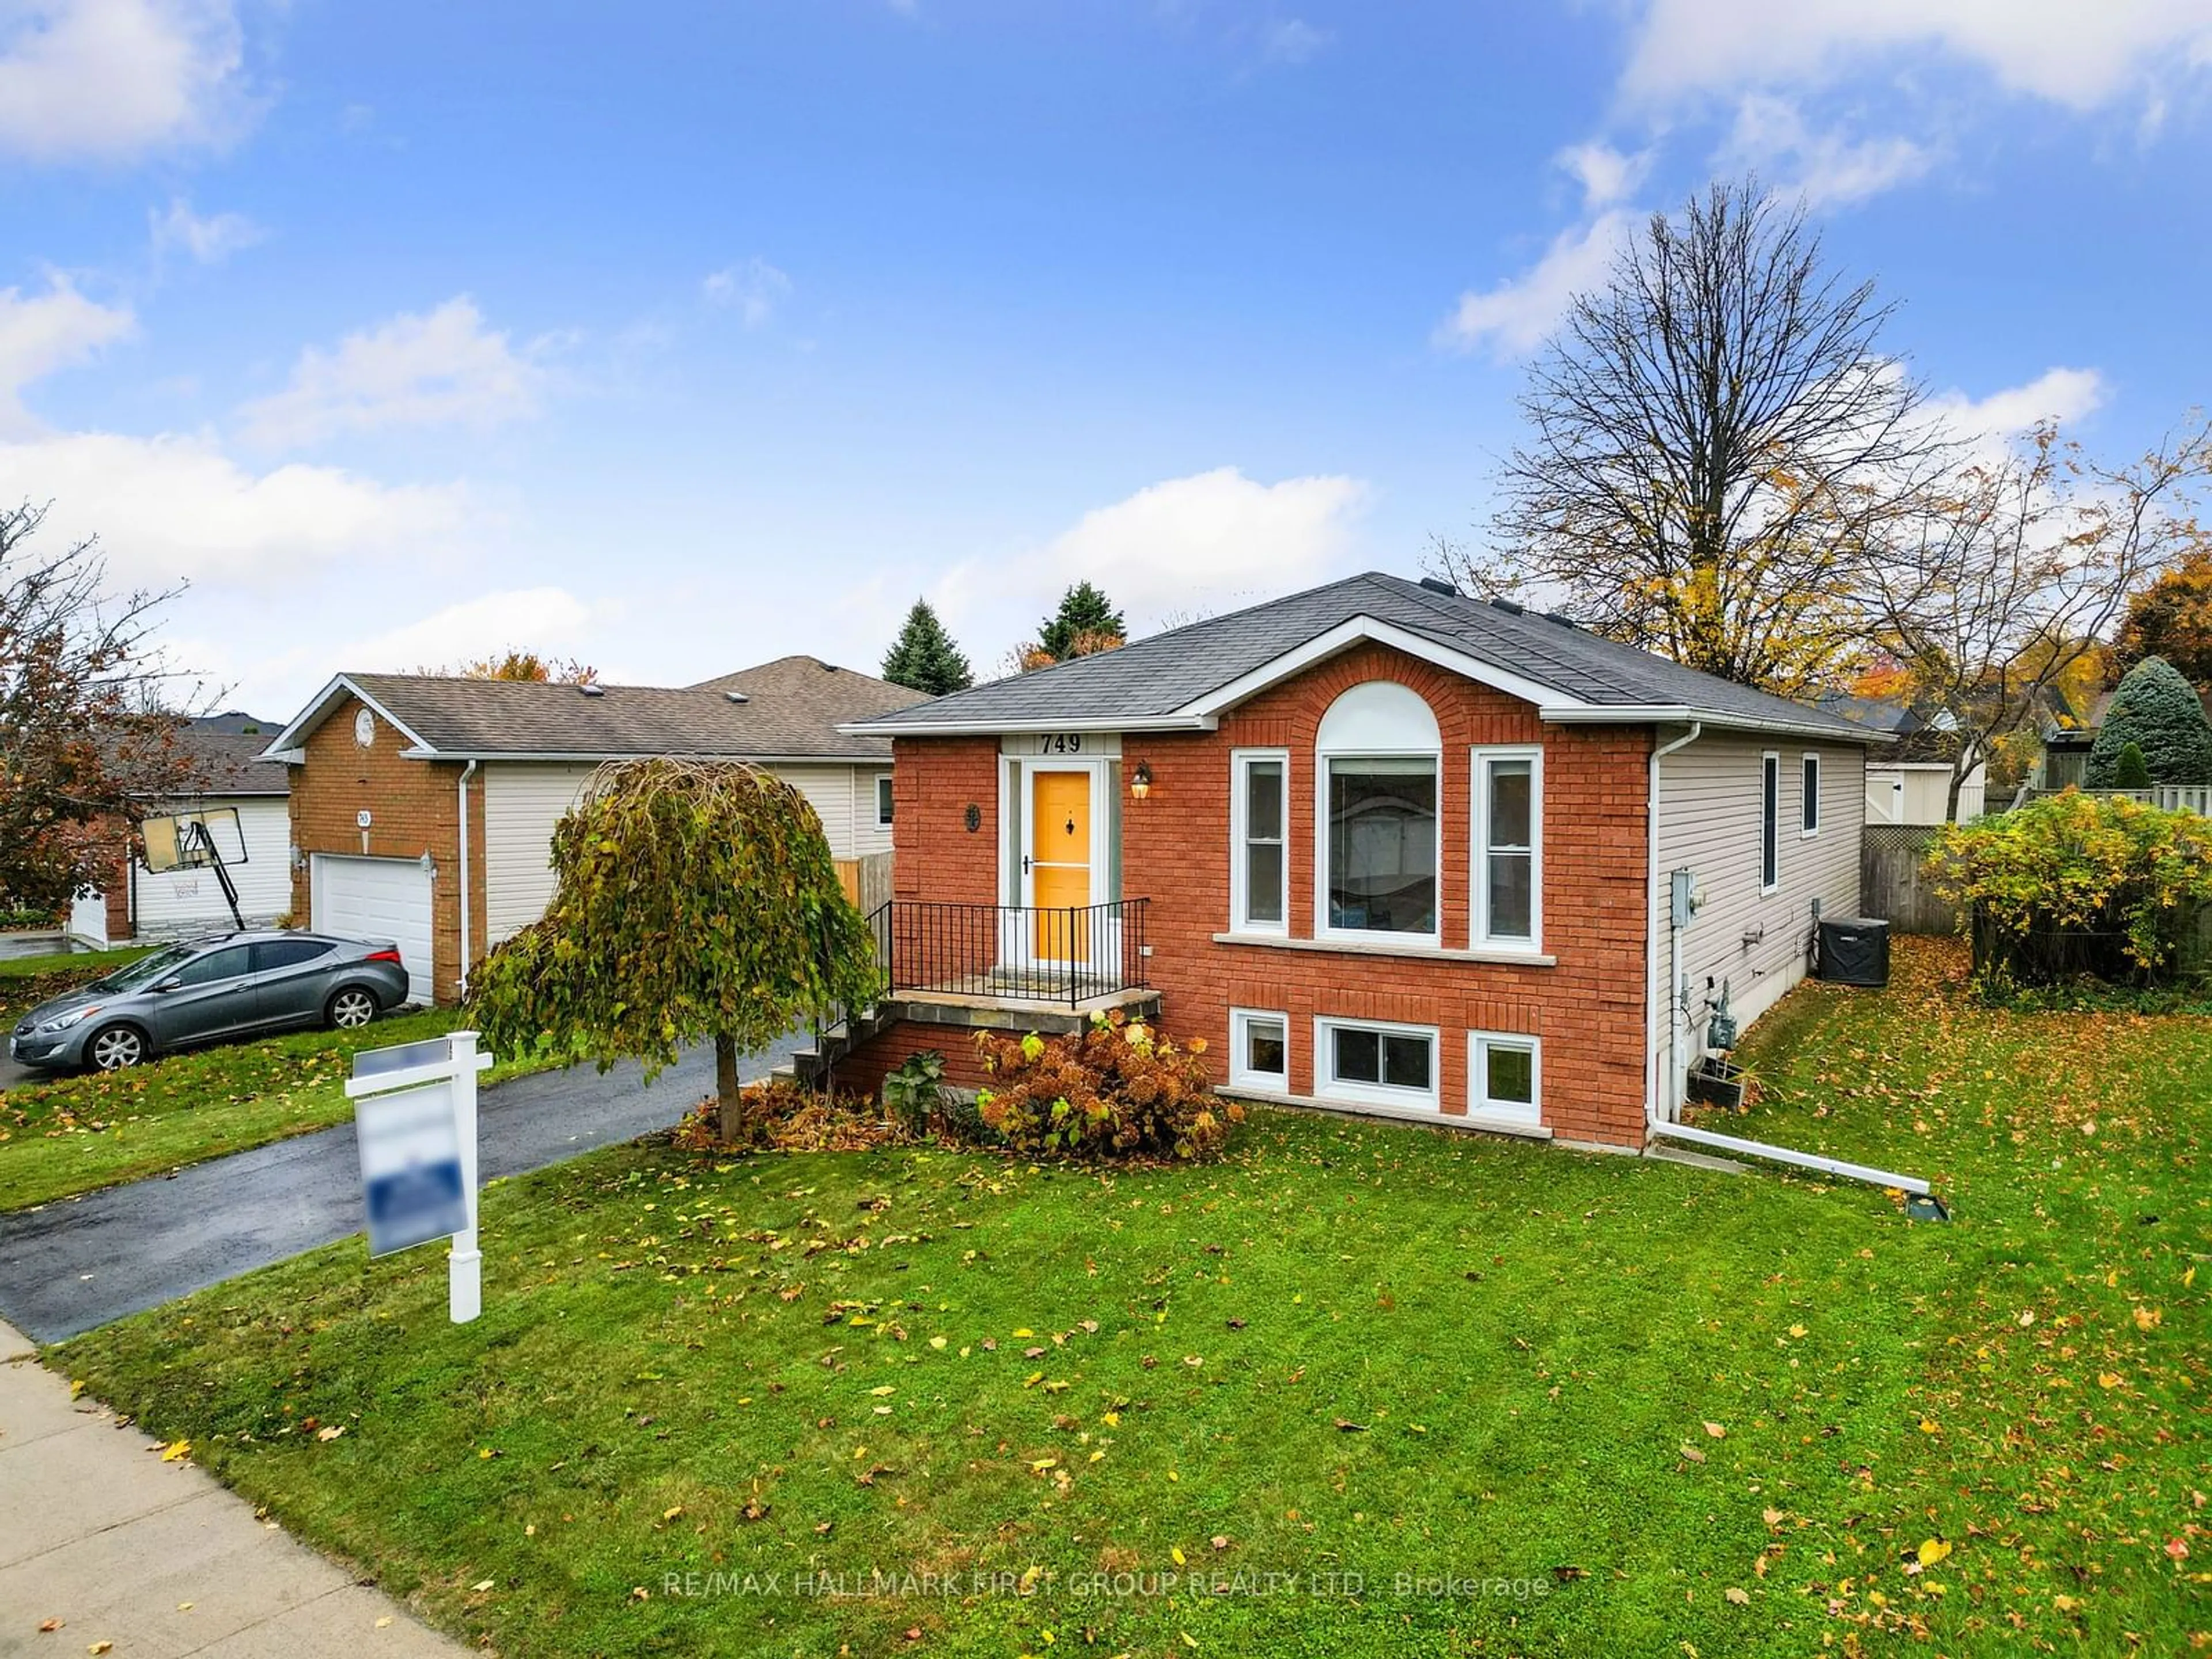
(1377, 764)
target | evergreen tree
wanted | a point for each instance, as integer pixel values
(924, 658)
(2131, 770)
(2158, 712)
(1086, 622)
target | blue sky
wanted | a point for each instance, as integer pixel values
(676, 337)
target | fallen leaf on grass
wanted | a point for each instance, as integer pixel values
(1716, 1431)
(1345, 1425)
(332, 1433)
(175, 1449)
(1737, 1597)
(482, 1584)
(1931, 1550)
(1692, 1453)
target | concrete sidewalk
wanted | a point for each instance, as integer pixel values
(97, 1532)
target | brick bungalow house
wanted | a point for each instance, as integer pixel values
(423, 806)
(1387, 848)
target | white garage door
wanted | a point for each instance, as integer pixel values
(377, 898)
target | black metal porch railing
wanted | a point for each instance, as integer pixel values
(1063, 954)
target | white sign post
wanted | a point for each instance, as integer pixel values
(415, 1124)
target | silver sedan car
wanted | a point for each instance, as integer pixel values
(234, 985)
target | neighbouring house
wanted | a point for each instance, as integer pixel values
(1910, 783)
(422, 808)
(1384, 848)
(243, 798)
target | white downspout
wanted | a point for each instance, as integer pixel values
(1662, 1086)
(462, 795)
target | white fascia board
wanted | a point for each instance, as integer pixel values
(1623, 713)
(985, 728)
(1350, 632)
(289, 741)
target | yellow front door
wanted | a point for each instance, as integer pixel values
(1060, 863)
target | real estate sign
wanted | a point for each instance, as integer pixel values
(414, 1120)
(411, 1167)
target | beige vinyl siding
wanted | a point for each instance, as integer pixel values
(1709, 823)
(523, 799)
(522, 802)
(179, 903)
(844, 798)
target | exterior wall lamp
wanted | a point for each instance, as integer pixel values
(1141, 781)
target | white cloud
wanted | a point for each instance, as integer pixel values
(1292, 41)
(1606, 175)
(208, 241)
(172, 507)
(1770, 135)
(540, 619)
(2077, 55)
(1172, 550)
(444, 368)
(753, 288)
(107, 80)
(47, 332)
(1514, 318)
(2058, 394)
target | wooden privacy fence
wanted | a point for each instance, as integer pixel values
(1892, 884)
(866, 881)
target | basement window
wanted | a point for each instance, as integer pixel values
(1376, 1064)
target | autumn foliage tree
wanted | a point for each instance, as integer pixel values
(696, 901)
(2172, 617)
(1999, 583)
(82, 731)
(1712, 434)
(524, 665)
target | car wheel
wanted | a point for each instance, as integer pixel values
(115, 1049)
(350, 1009)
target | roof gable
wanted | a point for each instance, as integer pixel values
(792, 708)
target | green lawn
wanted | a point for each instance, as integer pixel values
(72, 1133)
(1621, 1406)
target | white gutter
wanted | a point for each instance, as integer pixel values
(462, 795)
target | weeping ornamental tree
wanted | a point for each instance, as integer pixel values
(697, 901)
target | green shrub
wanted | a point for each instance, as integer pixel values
(914, 1093)
(1118, 1089)
(2075, 884)
(2159, 713)
(2131, 770)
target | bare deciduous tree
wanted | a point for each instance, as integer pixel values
(82, 728)
(2005, 580)
(1702, 429)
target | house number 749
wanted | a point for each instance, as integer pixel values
(1061, 743)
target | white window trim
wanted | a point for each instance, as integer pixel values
(1322, 760)
(1769, 807)
(886, 797)
(1480, 1106)
(1241, 1075)
(1326, 1088)
(1810, 758)
(1480, 937)
(1240, 761)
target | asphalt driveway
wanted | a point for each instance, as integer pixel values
(76, 1263)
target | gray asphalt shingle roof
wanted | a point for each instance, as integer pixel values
(1152, 678)
(792, 709)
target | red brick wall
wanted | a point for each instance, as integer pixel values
(1589, 1009)
(414, 809)
(863, 1071)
